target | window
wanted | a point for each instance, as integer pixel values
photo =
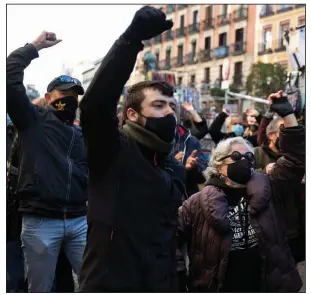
(266, 10)
(224, 9)
(284, 7)
(182, 21)
(207, 43)
(239, 35)
(283, 26)
(207, 74)
(301, 20)
(179, 81)
(192, 80)
(267, 37)
(168, 56)
(238, 73)
(180, 51)
(208, 12)
(223, 39)
(195, 17)
(193, 48)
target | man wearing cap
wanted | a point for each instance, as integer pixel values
(53, 172)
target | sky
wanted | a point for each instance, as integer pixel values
(87, 31)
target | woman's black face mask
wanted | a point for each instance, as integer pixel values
(241, 170)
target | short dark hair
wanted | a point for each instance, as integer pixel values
(136, 94)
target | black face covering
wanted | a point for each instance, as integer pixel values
(163, 127)
(240, 171)
(66, 108)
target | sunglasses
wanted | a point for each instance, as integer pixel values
(236, 156)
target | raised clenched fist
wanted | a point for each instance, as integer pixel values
(147, 23)
(45, 40)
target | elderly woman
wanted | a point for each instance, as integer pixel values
(234, 230)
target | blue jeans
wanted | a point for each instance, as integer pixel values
(42, 238)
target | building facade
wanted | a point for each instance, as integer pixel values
(201, 38)
(274, 19)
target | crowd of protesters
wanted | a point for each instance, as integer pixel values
(127, 202)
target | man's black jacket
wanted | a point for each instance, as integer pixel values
(134, 193)
(53, 172)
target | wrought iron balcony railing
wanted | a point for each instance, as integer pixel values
(221, 51)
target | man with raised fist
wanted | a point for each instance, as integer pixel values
(52, 174)
(135, 185)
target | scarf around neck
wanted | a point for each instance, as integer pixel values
(146, 137)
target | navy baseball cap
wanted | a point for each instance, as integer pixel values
(65, 82)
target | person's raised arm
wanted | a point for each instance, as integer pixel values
(289, 169)
(19, 108)
(198, 122)
(265, 121)
(215, 128)
(99, 104)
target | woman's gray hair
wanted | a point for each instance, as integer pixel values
(223, 149)
(273, 126)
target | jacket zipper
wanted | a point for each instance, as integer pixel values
(69, 165)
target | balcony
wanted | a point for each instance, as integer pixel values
(157, 39)
(300, 6)
(169, 35)
(208, 24)
(285, 9)
(194, 28)
(205, 55)
(267, 11)
(191, 59)
(165, 64)
(240, 14)
(170, 8)
(180, 32)
(280, 46)
(238, 47)
(223, 19)
(264, 49)
(221, 51)
(178, 61)
(182, 6)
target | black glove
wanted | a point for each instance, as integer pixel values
(147, 23)
(281, 106)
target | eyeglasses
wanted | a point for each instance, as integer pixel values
(236, 156)
(68, 79)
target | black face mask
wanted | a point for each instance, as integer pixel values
(240, 171)
(66, 108)
(163, 127)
